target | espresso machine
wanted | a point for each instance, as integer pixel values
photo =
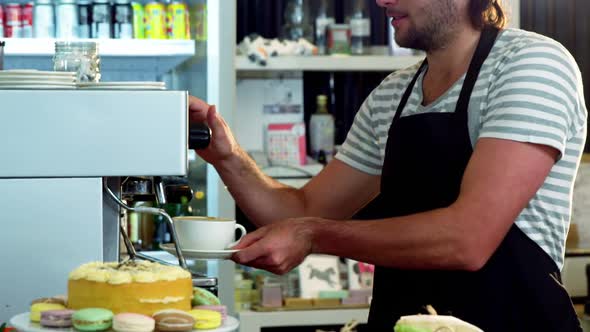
(70, 163)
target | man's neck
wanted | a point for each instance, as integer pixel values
(452, 61)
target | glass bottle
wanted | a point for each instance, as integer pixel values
(324, 18)
(321, 131)
(79, 57)
(360, 29)
(66, 18)
(296, 24)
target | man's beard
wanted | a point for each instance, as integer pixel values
(436, 32)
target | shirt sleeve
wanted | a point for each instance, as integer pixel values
(360, 150)
(536, 97)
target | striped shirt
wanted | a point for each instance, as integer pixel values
(529, 90)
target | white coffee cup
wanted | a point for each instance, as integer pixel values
(207, 233)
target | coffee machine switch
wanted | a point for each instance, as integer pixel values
(199, 136)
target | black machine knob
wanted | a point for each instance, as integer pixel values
(199, 136)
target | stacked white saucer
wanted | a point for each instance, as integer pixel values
(122, 85)
(36, 79)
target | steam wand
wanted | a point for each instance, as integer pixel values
(148, 210)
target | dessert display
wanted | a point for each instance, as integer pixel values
(130, 322)
(133, 296)
(92, 319)
(135, 286)
(57, 318)
(172, 320)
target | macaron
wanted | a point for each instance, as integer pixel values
(54, 299)
(130, 322)
(206, 319)
(202, 296)
(173, 320)
(219, 308)
(92, 319)
(38, 308)
(57, 318)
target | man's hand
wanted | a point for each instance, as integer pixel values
(278, 247)
(223, 144)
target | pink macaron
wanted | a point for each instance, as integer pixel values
(130, 322)
(56, 318)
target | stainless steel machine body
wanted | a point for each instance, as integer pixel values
(56, 148)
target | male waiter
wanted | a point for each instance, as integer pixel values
(467, 159)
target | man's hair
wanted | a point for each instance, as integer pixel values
(487, 13)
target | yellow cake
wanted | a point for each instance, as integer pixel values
(135, 286)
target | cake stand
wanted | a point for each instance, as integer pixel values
(23, 324)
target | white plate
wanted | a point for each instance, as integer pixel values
(35, 82)
(24, 324)
(120, 88)
(69, 79)
(37, 87)
(100, 84)
(199, 254)
(32, 72)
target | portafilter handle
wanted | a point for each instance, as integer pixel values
(199, 136)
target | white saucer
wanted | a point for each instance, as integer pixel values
(124, 84)
(199, 254)
(24, 324)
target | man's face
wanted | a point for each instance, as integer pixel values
(423, 24)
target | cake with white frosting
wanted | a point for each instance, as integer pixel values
(133, 286)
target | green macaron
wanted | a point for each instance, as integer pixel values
(92, 319)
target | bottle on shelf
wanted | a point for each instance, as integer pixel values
(360, 29)
(324, 18)
(296, 22)
(84, 18)
(122, 19)
(321, 131)
(43, 19)
(66, 18)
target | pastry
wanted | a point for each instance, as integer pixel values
(57, 318)
(219, 308)
(202, 296)
(38, 308)
(55, 300)
(129, 322)
(206, 319)
(432, 323)
(135, 286)
(92, 319)
(172, 320)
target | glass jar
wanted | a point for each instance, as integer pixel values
(79, 57)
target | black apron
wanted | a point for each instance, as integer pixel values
(518, 289)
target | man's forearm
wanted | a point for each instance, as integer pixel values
(429, 240)
(262, 198)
